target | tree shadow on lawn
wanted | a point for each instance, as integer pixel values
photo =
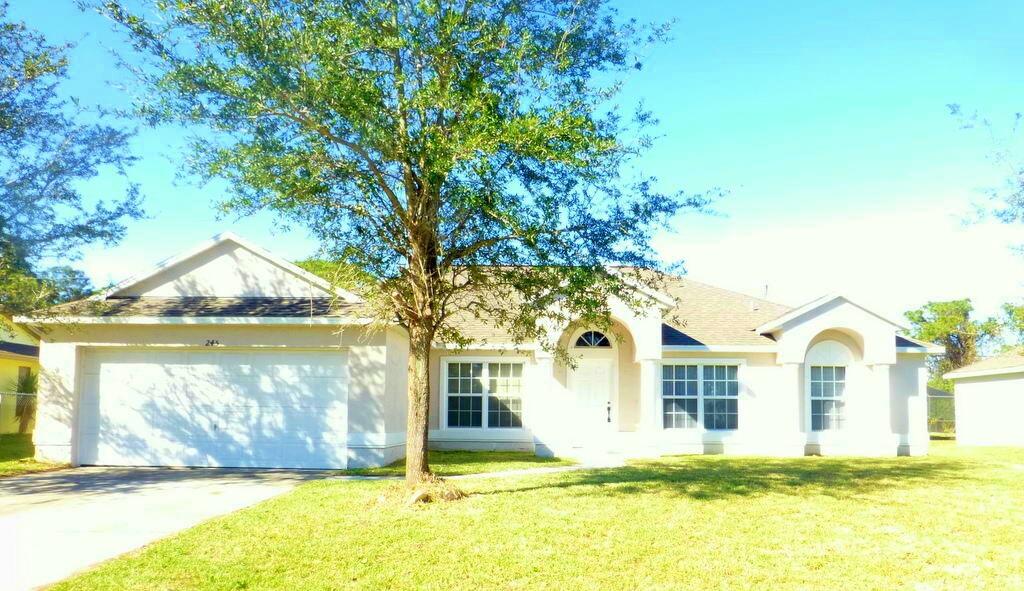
(711, 478)
(465, 463)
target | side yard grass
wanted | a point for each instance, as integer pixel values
(949, 521)
(17, 456)
(460, 463)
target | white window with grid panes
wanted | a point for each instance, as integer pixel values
(679, 396)
(828, 389)
(700, 395)
(482, 394)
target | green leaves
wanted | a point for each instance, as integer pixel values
(45, 150)
(449, 150)
(950, 324)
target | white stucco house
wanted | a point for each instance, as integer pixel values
(230, 356)
(989, 401)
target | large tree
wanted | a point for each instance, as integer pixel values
(1006, 200)
(951, 325)
(49, 144)
(457, 157)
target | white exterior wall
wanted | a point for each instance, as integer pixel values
(385, 442)
(990, 410)
(540, 402)
(62, 351)
(772, 412)
(56, 403)
(886, 412)
(768, 422)
(909, 409)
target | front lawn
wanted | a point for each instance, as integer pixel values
(17, 456)
(953, 520)
(458, 463)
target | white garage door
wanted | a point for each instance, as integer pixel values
(241, 408)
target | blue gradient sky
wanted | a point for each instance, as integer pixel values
(825, 123)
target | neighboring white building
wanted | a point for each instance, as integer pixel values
(230, 356)
(989, 401)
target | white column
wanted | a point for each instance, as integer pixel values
(875, 434)
(917, 415)
(547, 406)
(650, 395)
(794, 418)
(783, 433)
(55, 411)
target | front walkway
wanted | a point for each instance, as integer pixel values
(55, 524)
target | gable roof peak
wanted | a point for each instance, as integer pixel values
(215, 241)
(776, 323)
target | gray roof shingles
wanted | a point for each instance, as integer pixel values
(209, 307)
(703, 315)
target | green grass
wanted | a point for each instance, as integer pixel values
(17, 456)
(458, 463)
(953, 520)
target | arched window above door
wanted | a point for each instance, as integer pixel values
(593, 338)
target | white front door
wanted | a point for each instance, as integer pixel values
(592, 385)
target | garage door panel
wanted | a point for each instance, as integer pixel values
(214, 408)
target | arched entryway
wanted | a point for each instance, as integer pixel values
(593, 385)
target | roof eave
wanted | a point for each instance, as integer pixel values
(921, 350)
(959, 374)
(721, 348)
(179, 320)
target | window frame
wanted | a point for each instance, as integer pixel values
(485, 395)
(604, 343)
(700, 363)
(841, 398)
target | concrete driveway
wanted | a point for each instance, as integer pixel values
(58, 523)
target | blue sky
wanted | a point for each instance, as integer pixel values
(825, 122)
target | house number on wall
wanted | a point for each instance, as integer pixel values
(212, 342)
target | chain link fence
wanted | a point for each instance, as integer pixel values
(17, 412)
(941, 416)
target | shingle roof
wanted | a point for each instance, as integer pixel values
(1007, 361)
(709, 315)
(703, 315)
(208, 307)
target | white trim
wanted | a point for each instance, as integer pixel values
(920, 346)
(193, 346)
(722, 348)
(442, 391)
(934, 350)
(216, 241)
(704, 361)
(815, 435)
(576, 334)
(958, 374)
(777, 323)
(263, 320)
(486, 347)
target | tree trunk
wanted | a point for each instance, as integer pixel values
(416, 466)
